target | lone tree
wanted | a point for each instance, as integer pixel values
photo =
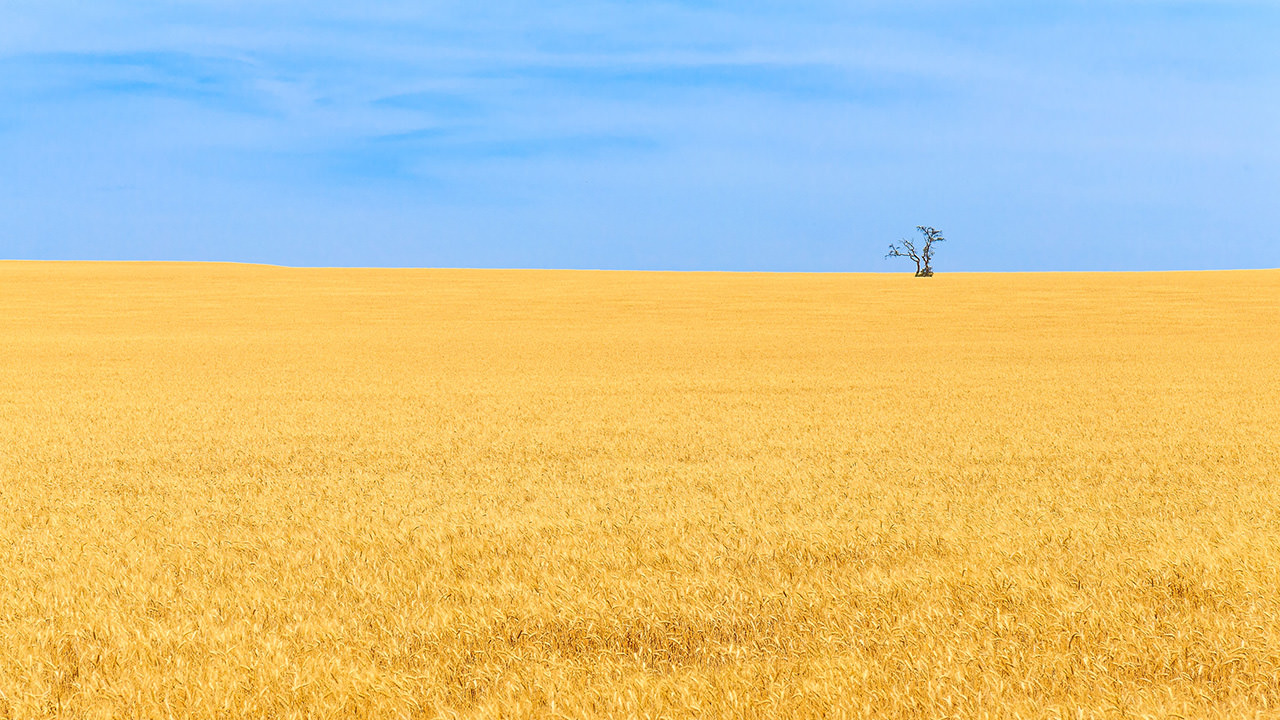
(922, 257)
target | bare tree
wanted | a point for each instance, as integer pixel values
(923, 257)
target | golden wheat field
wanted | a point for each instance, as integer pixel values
(252, 492)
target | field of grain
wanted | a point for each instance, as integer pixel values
(252, 492)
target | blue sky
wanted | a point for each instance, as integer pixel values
(699, 135)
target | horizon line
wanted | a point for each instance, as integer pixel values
(250, 264)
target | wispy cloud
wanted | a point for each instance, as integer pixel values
(55, 76)
(799, 81)
(424, 155)
(435, 102)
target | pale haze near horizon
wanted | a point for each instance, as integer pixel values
(675, 135)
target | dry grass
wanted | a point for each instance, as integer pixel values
(247, 492)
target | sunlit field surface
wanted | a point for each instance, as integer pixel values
(250, 492)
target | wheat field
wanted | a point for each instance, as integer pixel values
(252, 492)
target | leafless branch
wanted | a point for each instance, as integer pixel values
(922, 258)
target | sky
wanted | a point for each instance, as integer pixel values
(695, 135)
